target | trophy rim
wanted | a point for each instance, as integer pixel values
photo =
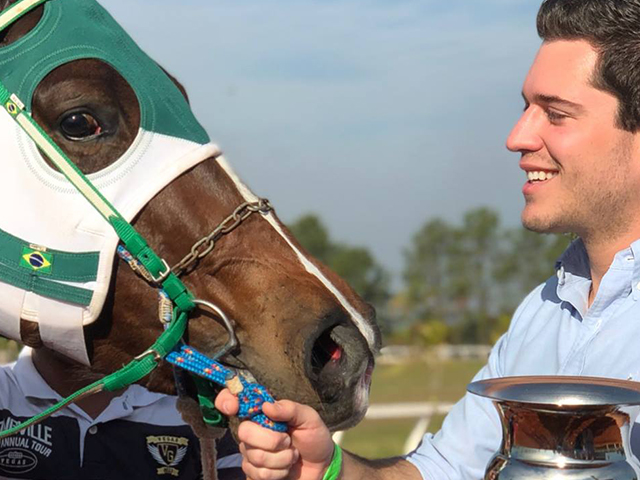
(559, 391)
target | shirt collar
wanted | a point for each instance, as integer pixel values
(635, 254)
(574, 260)
(574, 274)
(138, 396)
(29, 380)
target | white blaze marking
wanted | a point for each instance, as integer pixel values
(249, 196)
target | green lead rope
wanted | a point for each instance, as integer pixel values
(137, 369)
(85, 392)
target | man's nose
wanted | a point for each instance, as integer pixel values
(525, 135)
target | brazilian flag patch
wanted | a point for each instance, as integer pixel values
(36, 260)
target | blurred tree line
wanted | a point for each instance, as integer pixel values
(461, 282)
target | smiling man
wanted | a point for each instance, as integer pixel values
(579, 145)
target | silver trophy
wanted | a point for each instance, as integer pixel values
(563, 428)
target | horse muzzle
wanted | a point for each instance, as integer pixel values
(339, 365)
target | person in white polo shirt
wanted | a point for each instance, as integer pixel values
(133, 434)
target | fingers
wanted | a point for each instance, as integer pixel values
(271, 455)
(279, 460)
(267, 455)
(227, 402)
(295, 414)
(254, 473)
(256, 436)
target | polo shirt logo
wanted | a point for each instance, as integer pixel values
(168, 451)
(17, 460)
(20, 453)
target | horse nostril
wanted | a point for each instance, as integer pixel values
(325, 352)
(337, 362)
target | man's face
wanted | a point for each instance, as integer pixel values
(583, 171)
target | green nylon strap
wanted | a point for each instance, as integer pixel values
(16, 270)
(15, 108)
(206, 398)
(86, 391)
(138, 247)
(145, 363)
(17, 10)
(59, 291)
(4, 94)
(67, 266)
(335, 467)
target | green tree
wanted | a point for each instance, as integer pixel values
(433, 332)
(313, 236)
(474, 274)
(527, 260)
(448, 268)
(479, 237)
(428, 268)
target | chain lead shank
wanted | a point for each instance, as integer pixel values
(205, 245)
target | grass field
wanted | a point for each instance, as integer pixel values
(415, 381)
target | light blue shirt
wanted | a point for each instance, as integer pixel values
(553, 332)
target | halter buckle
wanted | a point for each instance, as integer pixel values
(156, 356)
(164, 275)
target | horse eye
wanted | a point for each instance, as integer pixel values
(80, 126)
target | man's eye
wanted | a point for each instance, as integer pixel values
(555, 117)
(80, 127)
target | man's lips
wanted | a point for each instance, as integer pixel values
(537, 179)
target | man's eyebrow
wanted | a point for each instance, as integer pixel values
(553, 99)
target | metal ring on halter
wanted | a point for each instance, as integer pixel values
(232, 343)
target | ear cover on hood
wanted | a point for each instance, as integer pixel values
(56, 251)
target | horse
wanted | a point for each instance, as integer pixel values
(302, 331)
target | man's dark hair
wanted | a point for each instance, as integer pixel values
(612, 27)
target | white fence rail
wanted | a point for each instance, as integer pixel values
(399, 354)
(422, 411)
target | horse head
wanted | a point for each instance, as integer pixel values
(302, 330)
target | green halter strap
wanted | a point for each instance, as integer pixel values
(160, 272)
(10, 15)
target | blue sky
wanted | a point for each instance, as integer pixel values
(378, 115)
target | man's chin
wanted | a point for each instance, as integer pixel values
(536, 227)
(541, 225)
